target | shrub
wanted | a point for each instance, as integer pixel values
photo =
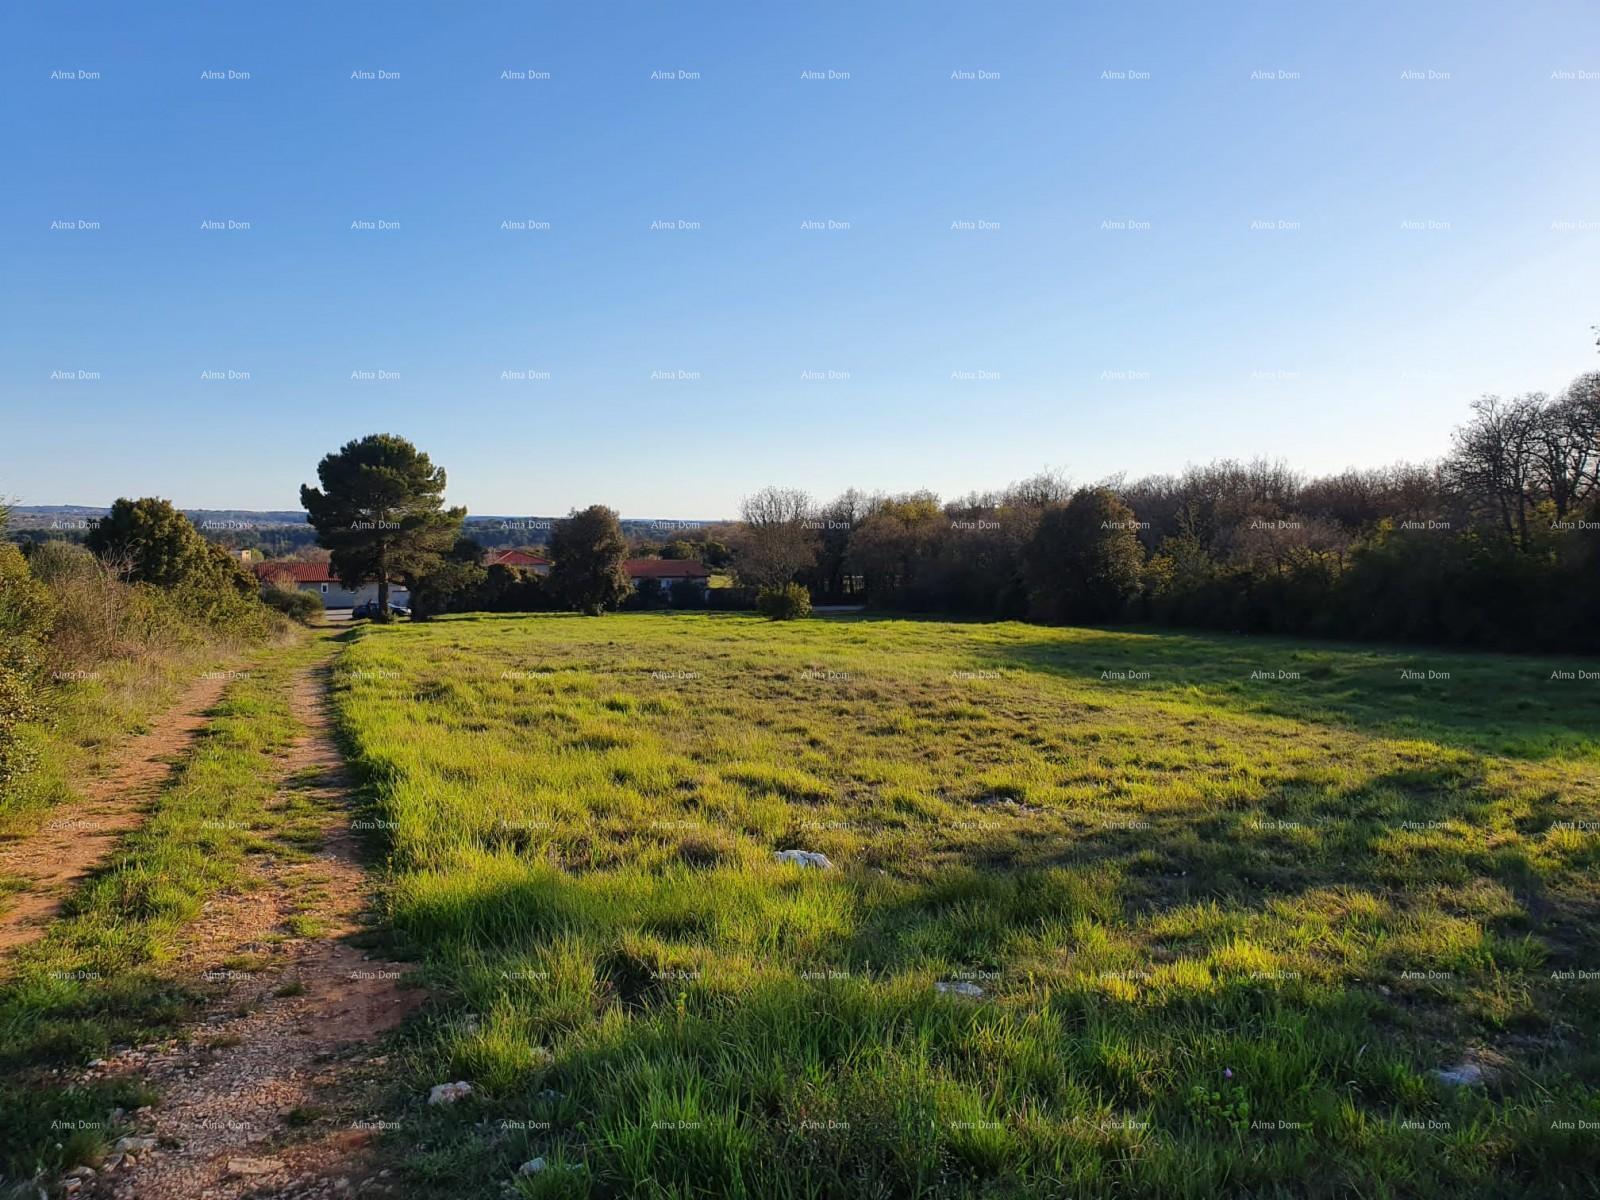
(784, 603)
(26, 609)
(686, 593)
(731, 599)
(18, 704)
(26, 614)
(97, 615)
(507, 589)
(454, 583)
(649, 594)
(150, 541)
(292, 602)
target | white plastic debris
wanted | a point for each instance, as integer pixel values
(449, 1093)
(532, 1167)
(960, 987)
(805, 858)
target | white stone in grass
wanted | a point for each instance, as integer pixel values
(1463, 1075)
(532, 1167)
(960, 987)
(805, 858)
(449, 1093)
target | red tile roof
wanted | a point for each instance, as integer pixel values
(300, 572)
(666, 568)
(513, 558)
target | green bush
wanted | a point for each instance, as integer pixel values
(292, 602)
(784, 603)
(650, 594)
(26, 614)
(149, 541)
(687, 593)
(731, 599)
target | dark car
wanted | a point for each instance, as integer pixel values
(369, 609)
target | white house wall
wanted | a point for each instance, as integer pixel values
(335, 595)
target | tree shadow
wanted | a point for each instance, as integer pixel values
(1489, 703)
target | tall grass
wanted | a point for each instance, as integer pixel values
(1224, 929)
(114, 655)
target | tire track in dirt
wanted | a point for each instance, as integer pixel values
(78, 837)
(265, 1097)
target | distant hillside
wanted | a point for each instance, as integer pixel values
(279, 531)
(73, 516)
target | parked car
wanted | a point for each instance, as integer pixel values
(369, 609)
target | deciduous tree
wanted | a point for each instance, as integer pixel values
(1084, 561)
(776, 540)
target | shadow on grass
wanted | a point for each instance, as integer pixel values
(834, 1071)
(1492, 703)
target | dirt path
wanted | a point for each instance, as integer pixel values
(78, 837)
(265, 1097)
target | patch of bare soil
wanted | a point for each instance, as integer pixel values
(78, 837)
(265, 1097)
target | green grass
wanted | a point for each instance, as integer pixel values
(106, 972)
(1225, 929)
(91, 715)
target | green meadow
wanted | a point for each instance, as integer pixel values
(1199, 934)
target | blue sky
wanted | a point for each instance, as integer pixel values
(1036, 264)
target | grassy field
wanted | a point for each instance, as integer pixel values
(1200, 933)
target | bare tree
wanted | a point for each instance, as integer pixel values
(778, 538)
(1496, 458)
(1580, 420)
(1037, 491)
(1564, 454)
(1360, 498)
(1281, 545)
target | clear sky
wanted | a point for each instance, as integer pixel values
(1102, 245)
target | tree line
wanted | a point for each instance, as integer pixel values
(1498, 545)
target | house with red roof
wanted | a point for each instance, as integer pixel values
(521, 559)
(319, 578)
(668, 571)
